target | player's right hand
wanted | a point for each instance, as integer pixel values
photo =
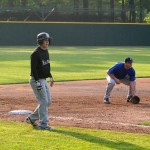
(38, 85)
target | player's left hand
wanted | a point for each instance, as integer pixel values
(135, 99)
(51, 82)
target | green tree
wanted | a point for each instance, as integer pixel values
(100, 9)
(76, 7)
(147, 18)
(85, 6)
(112, 10)
(144, 7)
(141, 10)
(23, 3)
(123, 12)
(10, 3)
(132, 16)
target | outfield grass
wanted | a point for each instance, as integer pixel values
(71, 63)
(21, 136)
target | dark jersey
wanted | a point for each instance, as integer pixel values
(40, 64)
(120, 72)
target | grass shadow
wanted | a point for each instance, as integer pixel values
(101, 141)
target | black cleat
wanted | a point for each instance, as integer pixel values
(29, 121)
(106, 100)
(45, 128)
(128, 98)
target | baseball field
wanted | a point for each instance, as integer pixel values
(81, 119)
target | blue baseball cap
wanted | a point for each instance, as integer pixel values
(129, 60)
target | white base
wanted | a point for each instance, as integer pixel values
(20, 112)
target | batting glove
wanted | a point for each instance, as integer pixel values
(38, 85)
(51, 82)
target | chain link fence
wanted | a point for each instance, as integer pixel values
(70, 14)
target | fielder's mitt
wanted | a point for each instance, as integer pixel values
(135, 100)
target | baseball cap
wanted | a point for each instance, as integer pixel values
(129, 60)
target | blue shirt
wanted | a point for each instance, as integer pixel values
(120, 72)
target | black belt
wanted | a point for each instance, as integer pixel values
(31, 77)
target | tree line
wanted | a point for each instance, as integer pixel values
(101, 10)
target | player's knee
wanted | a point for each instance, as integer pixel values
(44, 102)
(111, 84)
(49, 103)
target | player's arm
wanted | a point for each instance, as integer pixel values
(51, 77)
(133, 87)
(51, 80)
(34, 60)
(133, 82)
(112, 76)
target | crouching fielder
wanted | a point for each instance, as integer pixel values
(121, 73)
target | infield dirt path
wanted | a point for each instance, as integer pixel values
(80, 104)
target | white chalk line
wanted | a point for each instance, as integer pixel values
(97, 122)
(66, 118)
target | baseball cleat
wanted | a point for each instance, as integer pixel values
(128, 98)
(29, 121)
(45, 128)
(106, 100)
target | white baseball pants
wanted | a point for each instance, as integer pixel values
(43, 97)
(111, 84)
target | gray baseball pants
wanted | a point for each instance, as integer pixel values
(111, 84)
(43, 98)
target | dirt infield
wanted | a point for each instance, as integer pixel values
(80, 104)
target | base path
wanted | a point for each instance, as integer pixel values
(80, 104)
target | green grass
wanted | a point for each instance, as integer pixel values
(19, 136)
(72, 63)
(145, 123)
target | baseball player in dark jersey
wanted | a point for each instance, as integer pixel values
(121, 73)
(40, 70)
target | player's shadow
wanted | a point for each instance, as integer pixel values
(101, 141)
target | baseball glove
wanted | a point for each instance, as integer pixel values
(135, 100)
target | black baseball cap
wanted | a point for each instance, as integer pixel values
(129, 60)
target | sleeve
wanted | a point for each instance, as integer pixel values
(50, 75)
(34, 60)
(132, 75)
(112, 69)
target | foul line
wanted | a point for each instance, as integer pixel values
(97, 122)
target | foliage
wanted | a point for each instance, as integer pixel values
(147, 18)
(112, 10)
(91, 3)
